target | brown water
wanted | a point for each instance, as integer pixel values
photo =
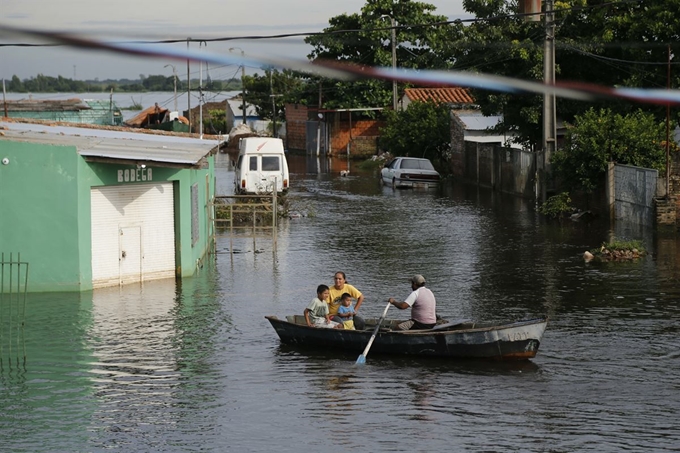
(196, 367)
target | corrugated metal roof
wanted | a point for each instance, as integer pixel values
(40, 105)
(454, 95)
(479, 122)
(237, 107)
(114, 145)
(142, 118)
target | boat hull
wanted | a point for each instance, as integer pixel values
(509, 341)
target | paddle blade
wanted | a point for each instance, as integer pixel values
(361, 360)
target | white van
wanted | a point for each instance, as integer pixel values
(261, 166)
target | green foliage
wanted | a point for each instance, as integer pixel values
(365, 38)
(215, 122)
(422, 130)
(288, 87)
(556, 206)
(617, 250)
(371, 164)
(596, 42)
(47, 84)
(624, 245)
(136, 105)
(599, 137)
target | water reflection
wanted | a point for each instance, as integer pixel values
(196, 367)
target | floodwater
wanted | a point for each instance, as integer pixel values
(196, 367)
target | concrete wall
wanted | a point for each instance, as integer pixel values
(40, 219)
(491, 165)
(634, 193)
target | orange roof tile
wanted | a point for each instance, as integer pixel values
(454, 95)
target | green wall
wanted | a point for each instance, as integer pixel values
(95, 174)
(38, 217)
(45, 211)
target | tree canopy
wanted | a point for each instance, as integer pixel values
(286, 86)
(606, 43)
(422, 130)
(365, 39)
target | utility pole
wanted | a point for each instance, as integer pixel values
(394, 62)
(543, 166)
(188, 87)
(271, 88)
(243, 82)
(668, 116)
(318, 124)
(200, 93)
(393, 24)
(174, 77)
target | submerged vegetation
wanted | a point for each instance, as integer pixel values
(616, 251)
(556, 206)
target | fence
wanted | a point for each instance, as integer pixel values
(13, 289)
(505, 169)
(245, 216)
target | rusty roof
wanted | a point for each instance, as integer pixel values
(455, 95)
(142, 118)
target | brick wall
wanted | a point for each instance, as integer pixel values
(296, 120)
(365, 134)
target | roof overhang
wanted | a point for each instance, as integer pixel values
(120, 148)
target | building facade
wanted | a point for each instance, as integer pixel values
(95, 211)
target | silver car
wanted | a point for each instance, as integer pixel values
(409, 172)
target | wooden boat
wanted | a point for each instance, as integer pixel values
(516, 340)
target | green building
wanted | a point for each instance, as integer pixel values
(105, 209)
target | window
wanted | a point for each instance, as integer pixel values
(270, 163)
(253, 163)
(194, 215)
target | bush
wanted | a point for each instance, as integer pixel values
(556, 206)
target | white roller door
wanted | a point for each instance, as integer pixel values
(133, 233)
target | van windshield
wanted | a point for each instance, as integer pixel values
(270, 163)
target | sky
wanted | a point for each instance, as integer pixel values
(169, 19)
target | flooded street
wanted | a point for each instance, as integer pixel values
(196, 367)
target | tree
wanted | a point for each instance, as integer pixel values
(365, 39)
(422, 130)
(288, 87)
(606, 43)
(599, 137)
(16, 85)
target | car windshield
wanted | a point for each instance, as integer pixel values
(416, 164)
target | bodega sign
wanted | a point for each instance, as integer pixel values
(135, 174)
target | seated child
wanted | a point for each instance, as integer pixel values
(316, 313)
(346, 311)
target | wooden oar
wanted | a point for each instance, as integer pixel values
(362, 358)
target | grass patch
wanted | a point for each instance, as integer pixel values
(617, 251)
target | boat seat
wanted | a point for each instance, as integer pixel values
(297, 319)
(448, 325)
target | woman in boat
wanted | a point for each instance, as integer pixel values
(422, 303)
(316, 313)
(336, 291)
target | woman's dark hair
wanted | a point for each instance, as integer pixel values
(321, 288)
